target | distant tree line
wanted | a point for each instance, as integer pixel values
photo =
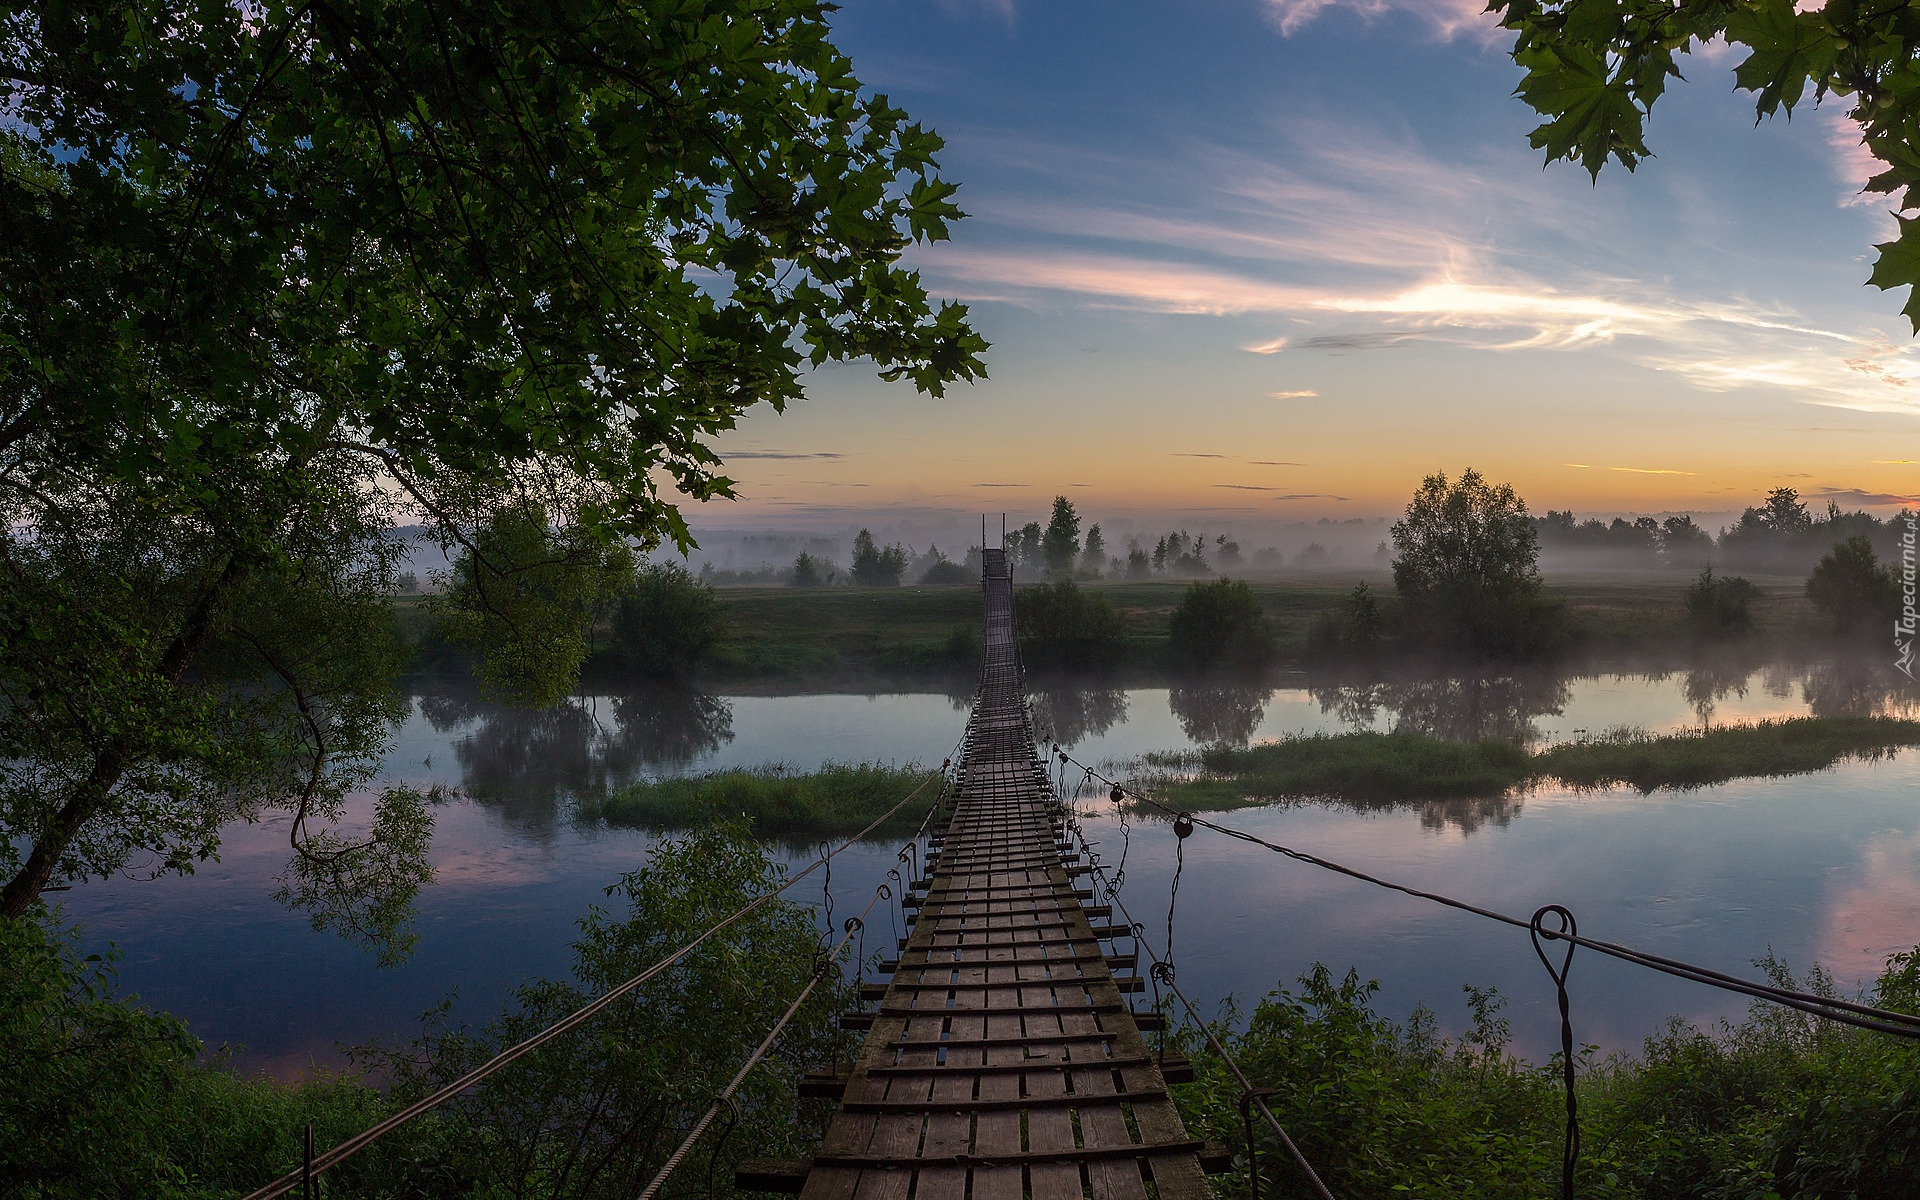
(1780, 535)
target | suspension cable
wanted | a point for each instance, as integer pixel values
(725, 1099)
(1846, 1012)
(366, 1137)
(1162, 972)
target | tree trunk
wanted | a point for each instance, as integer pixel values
(112, 762)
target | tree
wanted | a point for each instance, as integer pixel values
(1061, 542)
(809, 572)
(666, 620)
(1466, 565)
(1851, 588)
(1595, 69)
(1094, 558)
(875, 565)
(1683, 543)
(324, 260)
(1023, 548)
(1061, 626)
(1222, 622)
(1720, 606)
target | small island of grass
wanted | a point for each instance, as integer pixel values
(839, 798)
(1388, 767)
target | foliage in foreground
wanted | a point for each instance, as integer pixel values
(776, 800)
(104, 1098)
(1781, 1105)
(1403, 765)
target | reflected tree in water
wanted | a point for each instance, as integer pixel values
(664, 728)
(1219, 716)
(524, 762)
(1859, 687)
(1070, 714)
(1709, 683)
(1458, 708)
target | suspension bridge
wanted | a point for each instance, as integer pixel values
(1003, 1060)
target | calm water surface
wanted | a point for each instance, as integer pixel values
(1822, 867)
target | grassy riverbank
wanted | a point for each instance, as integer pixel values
(839, 798)
(1388, 767)
(784, 636)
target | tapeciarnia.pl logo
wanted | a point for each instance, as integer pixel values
(1903, 625)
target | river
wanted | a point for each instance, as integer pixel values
(1814, 868)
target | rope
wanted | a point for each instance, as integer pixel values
(1846, 1012)
(1570, 1149)
(366, 1137)
(725, 1099)
(1250, 1096)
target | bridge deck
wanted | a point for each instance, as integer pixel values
(1003, 1062)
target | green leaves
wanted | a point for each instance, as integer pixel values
(1594, 69)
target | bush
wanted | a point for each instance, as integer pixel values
(667, 621)
(810, 572)
(1780, 1105)
(1221, 622)
(1061, 626)
(1851, 588)
(947, 573)
(1720, 606)
(1357, 626)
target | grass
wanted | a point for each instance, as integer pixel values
(840, 798)
(1770, 748)
(1390, 767)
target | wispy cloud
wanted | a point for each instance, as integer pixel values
(1447, 18)
(1267, 462)
(779, 454)
(1856, 496)
(1897, 462)
(1302, 394)
(1190, 454)
(1311, 496)
(1629, 470)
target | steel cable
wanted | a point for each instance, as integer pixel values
(366, 1137)
(1846, 1012)
(725, 1099)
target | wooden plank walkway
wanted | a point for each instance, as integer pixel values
(1003, 1063)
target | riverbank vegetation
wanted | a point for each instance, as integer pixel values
(1779, 1105)
(103, 1097)
(776, 801)
(1369, 767)
(106, 1098)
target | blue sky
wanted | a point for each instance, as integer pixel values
(1247, 261)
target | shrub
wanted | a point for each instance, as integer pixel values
(810, 572)
(1851, 588)
(947, 573)
(875, 565)
(1358, 625)
(1061, 626)
(1720, 606)
(1221, 622)
(667, 621)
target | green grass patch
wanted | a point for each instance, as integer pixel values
(1769, 748)
(839, 798)
(1358, 766)
(1390, 767)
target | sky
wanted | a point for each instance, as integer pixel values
(1255, 261)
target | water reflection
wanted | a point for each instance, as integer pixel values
(523, 762)
(1069, 715)
(1219, 715)
(1859, 688)
(1458, 708)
